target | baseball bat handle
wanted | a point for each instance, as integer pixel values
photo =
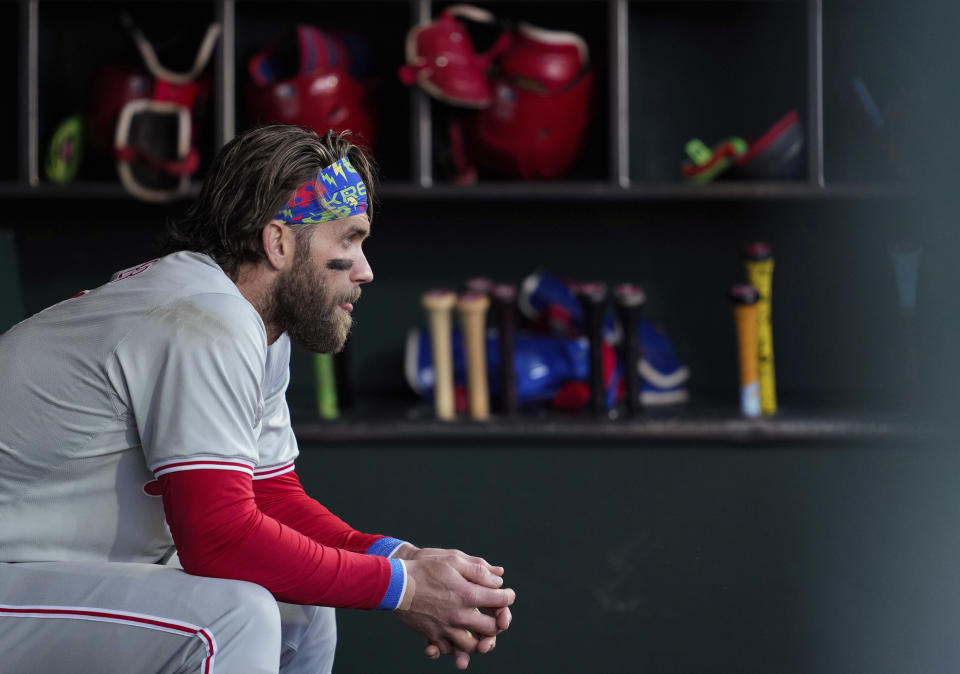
(504, 305)
(326, 386)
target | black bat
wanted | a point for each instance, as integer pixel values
(593, 300)
(504, 307)
(630, 300)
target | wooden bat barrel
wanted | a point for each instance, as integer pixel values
(439, 306)
(472, 309)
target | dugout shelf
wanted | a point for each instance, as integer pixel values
(658, 427)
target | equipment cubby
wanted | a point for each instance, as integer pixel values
(12, 69)
(83, 37)
(711, 70)
(88, 36)
(588, 19)
(666, 72)
(685, 256)
(871, 93)
(375, 52)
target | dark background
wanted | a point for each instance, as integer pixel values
(682, 559)
(639, 556)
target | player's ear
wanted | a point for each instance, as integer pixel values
(278, 244)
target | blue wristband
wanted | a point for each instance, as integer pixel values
(398, 583)
(384, 547)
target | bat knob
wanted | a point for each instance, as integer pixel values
(472, 301)
(593, 292)
(438, 299)
(479, 284)
(758, 251)
(629, 295)
(504, 293)
(743, 293)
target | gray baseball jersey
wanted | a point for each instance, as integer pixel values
(164, 368)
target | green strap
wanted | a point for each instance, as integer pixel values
(698, 151)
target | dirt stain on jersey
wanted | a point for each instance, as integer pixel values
(191, 320)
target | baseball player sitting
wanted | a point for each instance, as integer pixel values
(150, 413)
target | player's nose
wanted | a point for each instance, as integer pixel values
(362, 272)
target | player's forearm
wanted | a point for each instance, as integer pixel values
(283, 499)
(220, 532)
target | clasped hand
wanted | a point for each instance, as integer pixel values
(455, 601)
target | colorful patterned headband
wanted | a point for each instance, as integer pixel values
(338, 192)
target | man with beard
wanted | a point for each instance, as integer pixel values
(150, 412)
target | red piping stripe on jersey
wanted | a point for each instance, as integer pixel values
(198, 464)
(274, 471)
(122, 618)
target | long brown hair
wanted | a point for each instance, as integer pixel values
(249, 181)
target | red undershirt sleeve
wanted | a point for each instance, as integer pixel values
(284, 499)
(220, 532)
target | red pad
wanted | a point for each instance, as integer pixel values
(772, 134)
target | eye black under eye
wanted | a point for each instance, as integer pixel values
(339, 265)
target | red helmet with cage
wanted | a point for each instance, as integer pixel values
(306, 79)
(535, 125)
(442, 60)
(146, 119)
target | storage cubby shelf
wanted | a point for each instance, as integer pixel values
(556, 429)
(576, 191)
(639, 122)
(564, 191)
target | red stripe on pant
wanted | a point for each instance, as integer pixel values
(136, 620)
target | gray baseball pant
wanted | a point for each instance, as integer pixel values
(58, 617)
